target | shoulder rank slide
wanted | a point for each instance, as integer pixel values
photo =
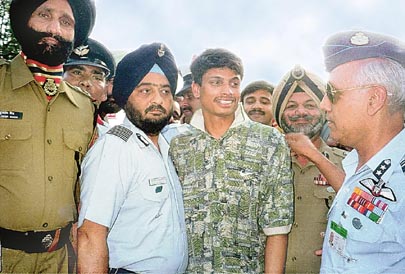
(121, 132)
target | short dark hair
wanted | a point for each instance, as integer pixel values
(215, 58)
(254, 86)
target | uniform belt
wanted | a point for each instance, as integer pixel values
(35, 241)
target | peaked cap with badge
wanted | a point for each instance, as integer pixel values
(187, 81)
(347, 46)
(296, 80)
(135, 65)
(93, 53)
(84, 12)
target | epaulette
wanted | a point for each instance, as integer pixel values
(403, 166)
(121, 132)
(76, 88)
(339, 152)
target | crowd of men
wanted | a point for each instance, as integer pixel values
(109, 168)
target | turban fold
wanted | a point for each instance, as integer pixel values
(84, 13)
(296, 80)
(135, 65)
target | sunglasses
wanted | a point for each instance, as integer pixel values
(331, 90)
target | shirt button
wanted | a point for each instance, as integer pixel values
(80, 148)
(7, 137)
(299, 198)
(45, 225)
(293, 259)
(49, 141)
(50, 178)
(295, 224)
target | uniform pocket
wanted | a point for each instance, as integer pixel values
(156, 190)
(75, 148)
(15, 146)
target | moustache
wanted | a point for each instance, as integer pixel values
(306, 117)
(256, 111)
(155, 107)
(186, 108)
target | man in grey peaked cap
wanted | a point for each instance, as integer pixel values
(365, 107)
(131, 217)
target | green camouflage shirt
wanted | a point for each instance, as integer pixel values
(237, 190)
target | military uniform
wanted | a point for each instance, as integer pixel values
(41, 143)
(313, 197)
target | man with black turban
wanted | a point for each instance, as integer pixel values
(131, 217)
(46, 126)
(296, 108)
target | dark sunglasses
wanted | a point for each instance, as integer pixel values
(331, 90)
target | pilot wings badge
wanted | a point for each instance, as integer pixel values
(378, 189)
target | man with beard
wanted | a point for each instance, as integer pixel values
(46, 126)
(132, 217)
(296, 108)
(257, 100)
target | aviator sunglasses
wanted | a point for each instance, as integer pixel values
(331, 90)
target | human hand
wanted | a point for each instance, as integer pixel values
(300, 144)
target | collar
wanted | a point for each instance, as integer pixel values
(394, 151)
(197, 120)
(22, 76)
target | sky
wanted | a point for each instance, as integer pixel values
(270, 36)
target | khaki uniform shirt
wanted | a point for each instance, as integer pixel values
(312, 202)
(41, 144)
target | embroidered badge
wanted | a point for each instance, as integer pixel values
(121, 132)
(368, 205)
(161, 51)
(377, 187)
(82, 50)
(50, 87)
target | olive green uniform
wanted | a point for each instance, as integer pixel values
(41, 144)
(311, 205)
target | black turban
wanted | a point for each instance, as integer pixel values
(84, 12)
(135, 65)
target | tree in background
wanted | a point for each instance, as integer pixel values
(9, 47)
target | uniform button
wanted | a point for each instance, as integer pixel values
(7, 137)
(295, 224)
(80, 148)
(45, 225)
(50, 178)
(299, 198)
(48, 109)
(49, 141)
(294, 259)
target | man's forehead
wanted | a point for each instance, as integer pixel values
(61, 6)
(86, 68)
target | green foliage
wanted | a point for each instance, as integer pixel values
(9, 47)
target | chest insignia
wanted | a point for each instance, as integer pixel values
(320, 180)
(121, 132)
(378, 187)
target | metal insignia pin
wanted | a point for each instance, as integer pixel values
(161, 51)
(82, 50)
(359, 39)
(356, 223)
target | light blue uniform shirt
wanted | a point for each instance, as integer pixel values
(132, 188)
(366, 233)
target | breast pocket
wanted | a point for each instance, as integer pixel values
(156, 189)
(15, 146)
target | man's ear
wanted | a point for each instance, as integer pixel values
(377, 99)
(195, 88)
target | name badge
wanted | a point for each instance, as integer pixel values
(158, 182)
(15, 115)
(337, 237)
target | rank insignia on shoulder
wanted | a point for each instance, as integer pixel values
(121, 132)
(403, 166)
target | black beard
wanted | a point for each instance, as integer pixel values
(310, 130)
(51, 55)
(149, 126)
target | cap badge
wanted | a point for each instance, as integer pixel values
(298, 72)
(82, 50)
(161, 51)
(359, 39)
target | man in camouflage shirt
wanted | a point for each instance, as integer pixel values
(236, 177)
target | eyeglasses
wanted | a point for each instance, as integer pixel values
(331, 90)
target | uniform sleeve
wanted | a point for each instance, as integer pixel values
(105, 180)
(276, 200)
